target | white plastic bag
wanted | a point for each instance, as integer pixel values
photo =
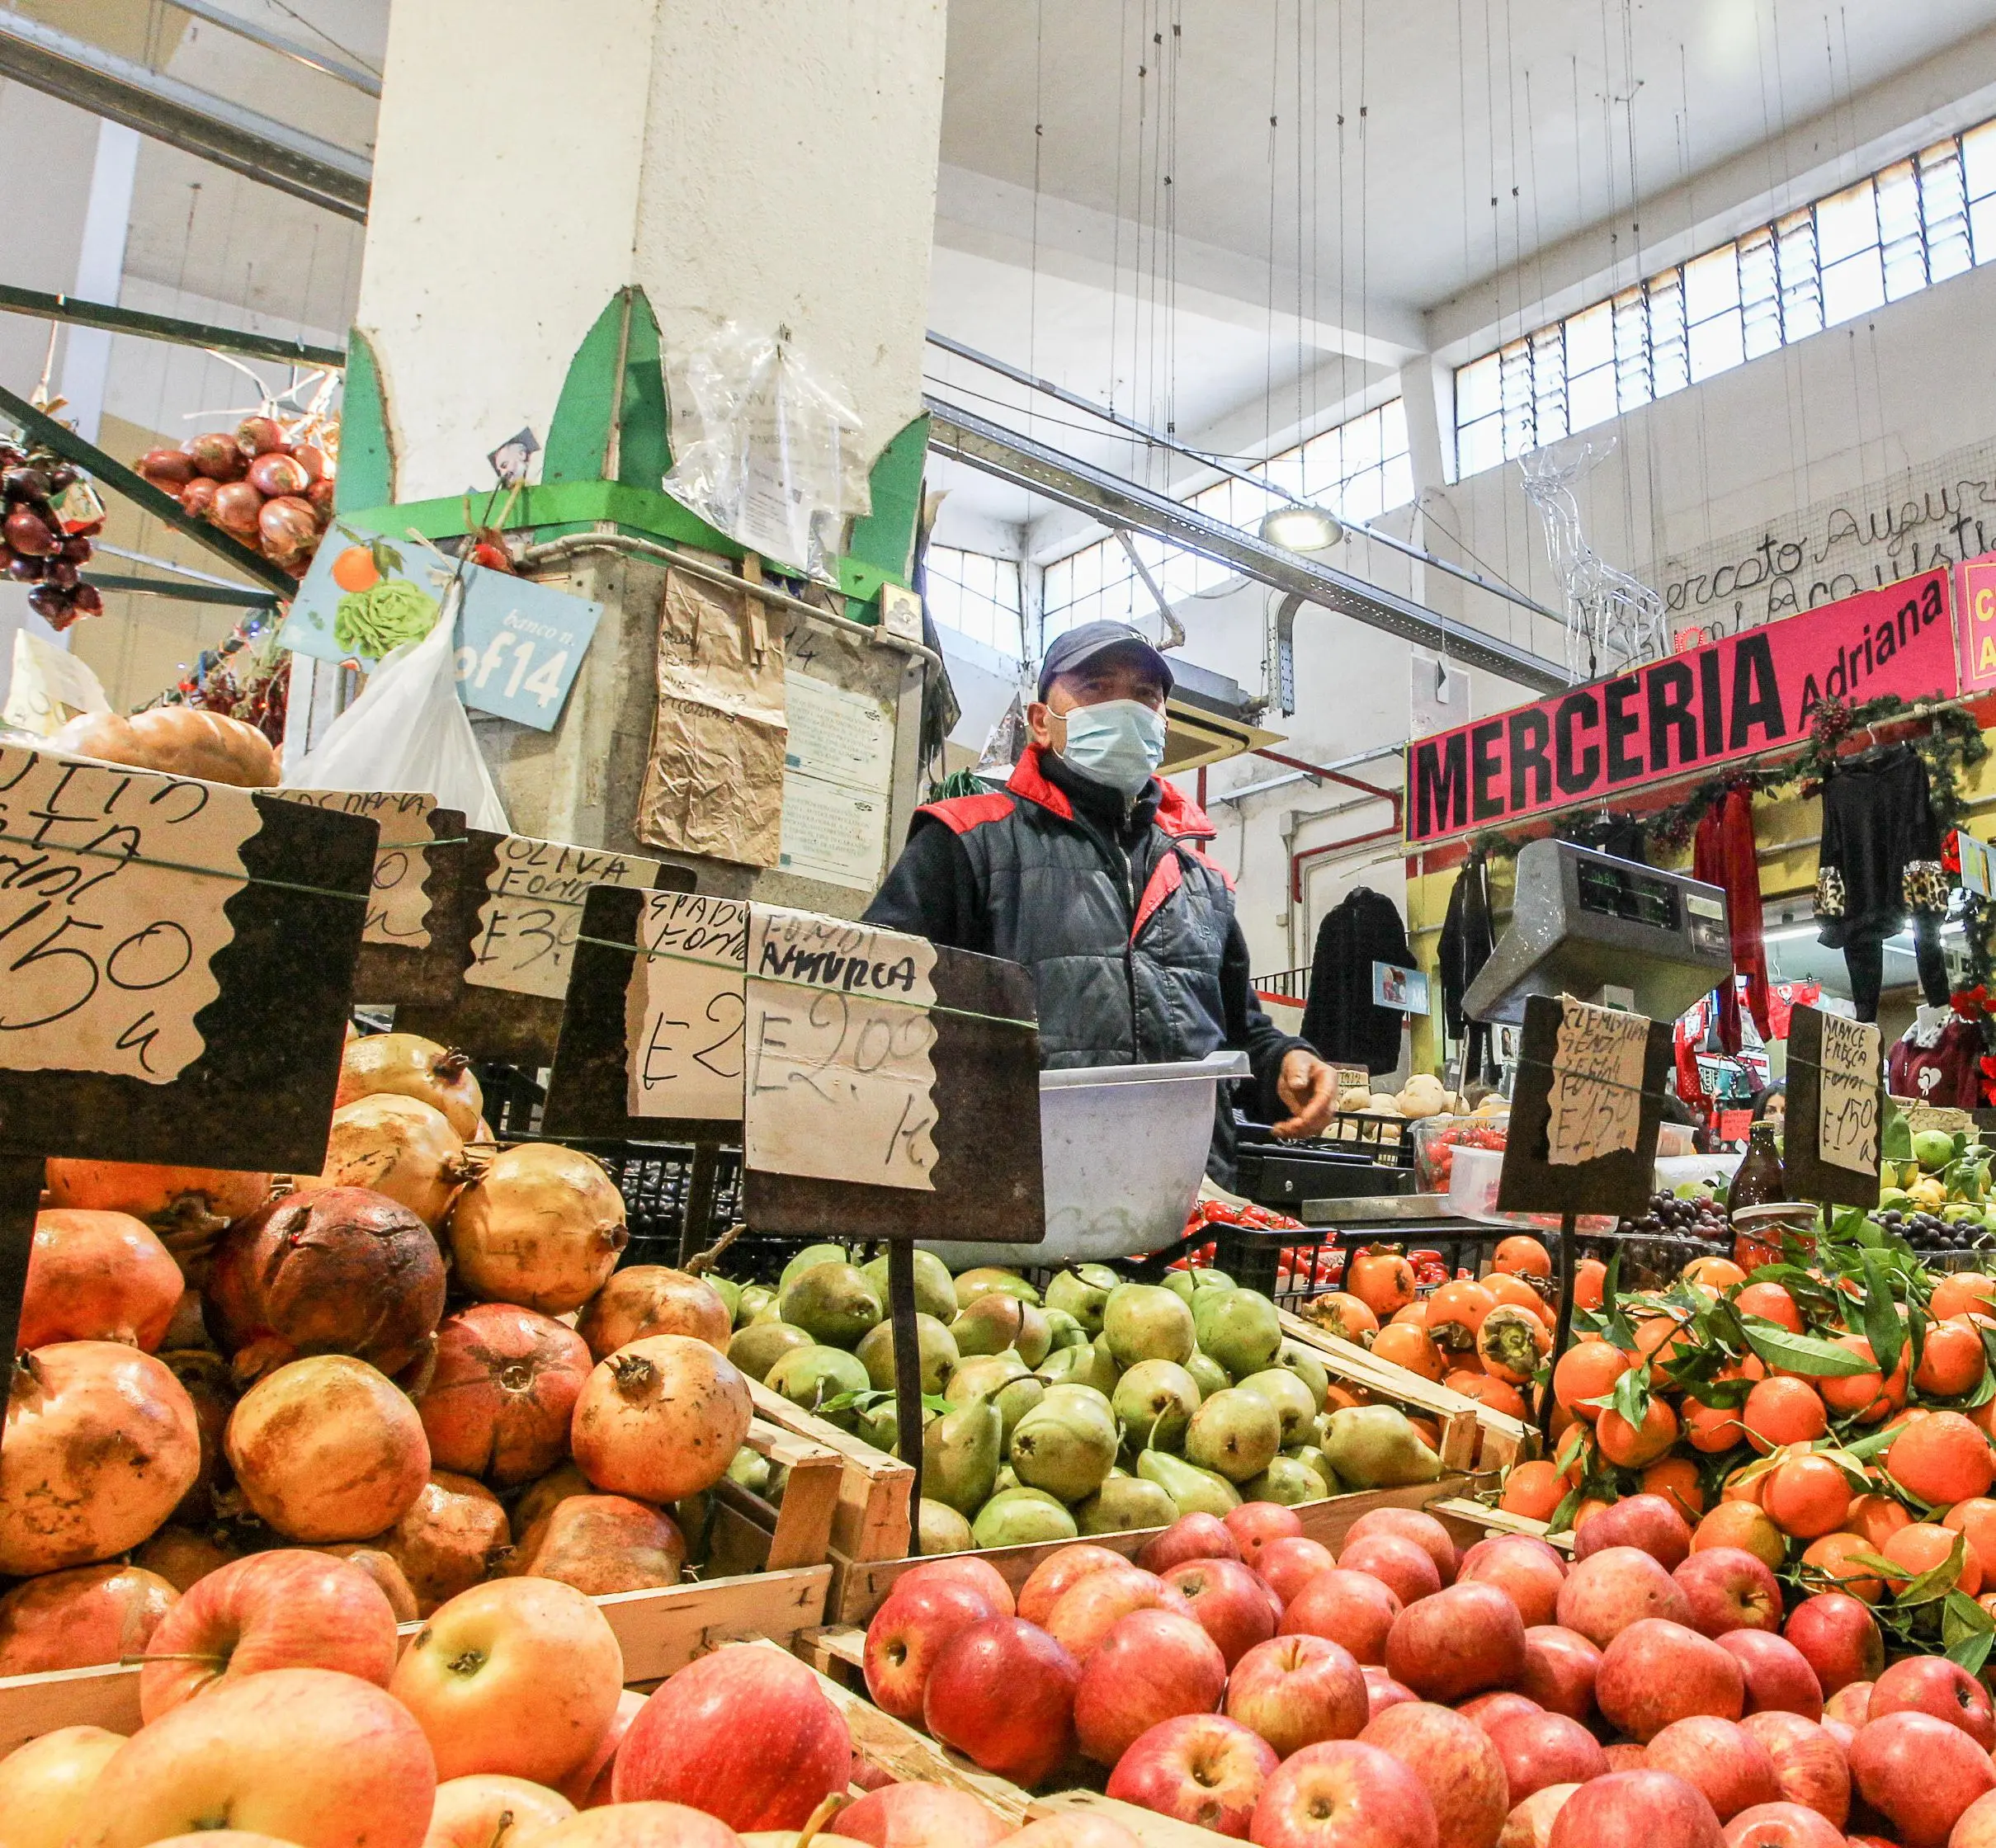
(408, 731)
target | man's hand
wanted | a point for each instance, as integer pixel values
(1309, 1088)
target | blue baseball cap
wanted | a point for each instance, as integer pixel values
(1067, 652)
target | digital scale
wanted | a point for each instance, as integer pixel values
(1601, 929)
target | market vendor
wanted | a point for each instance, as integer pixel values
(1094, 872)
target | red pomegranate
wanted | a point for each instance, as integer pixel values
(187, 1207)
(448, 1539)
(498, 1403)
(210, 1388)
(541, 1227)
(413, 1067)
(601, 1544)
(97, 1277)
(654, 1299)
(81, 1617)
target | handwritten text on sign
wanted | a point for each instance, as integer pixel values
(840, 1083)
(112, 888)
(685, 1007)
(533, 908)
(398, 908)
(1847, 1096)
(1595, 1097)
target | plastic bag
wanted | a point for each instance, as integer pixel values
(408, 731)
(764, 451)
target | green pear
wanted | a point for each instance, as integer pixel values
(1306, 1367)
(1063, 1331)
(988, 1279)
(1125, 1505)
(750, 1470)
(748, 1304)
(1081, 1292)
(995, 1322)
(807, 1259)
(1065, 1447)
(933, 1343)
(1208, 1375)
(835, 1303)
(939, 1528)
(771, 1311)
(1022, 1517)
(1008, 1477)
(1373, 1446)
(1079, 1392)
(1144, 1322)
(879, 1425)
(1088, 1365)
(779, 1480)
(1191, 1281)
(758, 1347)
(1003, 1379)
(959, 1457)
(1290, 1398)
(1312, 1459)
(1237, 1328)
(1288, 1482)
(1155, 1401)
(1193, 1490)
(1234, 1433)
(935, 1289)
(730, 1294)
(810, 1376)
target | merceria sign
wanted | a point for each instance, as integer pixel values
(1687, 712)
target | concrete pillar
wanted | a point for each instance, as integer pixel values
(567, 199)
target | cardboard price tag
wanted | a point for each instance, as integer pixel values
(1595, 1095)
(398, 910)
(686, 1006)
(1847, 1095)
(113, 888)
(525, 938)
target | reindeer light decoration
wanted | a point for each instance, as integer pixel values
(1613, 620)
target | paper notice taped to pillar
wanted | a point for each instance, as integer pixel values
(685, 1007)
(398, 908)
(1596, 1094)
(533, 908)
(840, 1084)
(714, 781)
(1847, 1095)
(114, 889)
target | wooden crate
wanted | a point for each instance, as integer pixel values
(659, 1631)
(870, 1519)
(750, 1535)
(1476, 1520)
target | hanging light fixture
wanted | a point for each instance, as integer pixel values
(1301, 529)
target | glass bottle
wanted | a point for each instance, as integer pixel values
(1759, 1177)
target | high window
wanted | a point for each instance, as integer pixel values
(977, 596)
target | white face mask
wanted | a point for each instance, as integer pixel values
(1119, 743)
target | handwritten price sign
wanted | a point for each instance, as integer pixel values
(1596, 1097)
(1847, 1095)
(686, 1006)
(533, 908)
(398, 909)
(104, 958)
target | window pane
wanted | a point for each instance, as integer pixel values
(1591, 397)
(1632, 349)
(1393, 426)
(1716, 346)
(1668, 362)
(1590, 340)
(1476, 390)
(1362, 442)
(1711, 285)
(1480, 445)
(1944, 211)
(1398, 489)
(1853, 287)
(1982, 227)
(1846, 222)
(1365, 496)
(1057, 584)
(1979, 160)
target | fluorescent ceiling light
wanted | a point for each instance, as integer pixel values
(1301, 529)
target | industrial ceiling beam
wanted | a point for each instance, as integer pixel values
(992, 450)
(77, 313)
(258, 147)
(351, 74)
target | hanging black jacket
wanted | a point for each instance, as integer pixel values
(1340, 1019)
(1468, 937)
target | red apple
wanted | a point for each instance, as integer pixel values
(1809, 1764)
(1539, 1750)
(1232, 1605)
(291, 1609)
(1288, 1565)
(1850, 1706)
(637, 1826)
(475, 1811)
(1491, 1710)
(1410, 1523)
(1637, 1809)
(1344, 1793)
(1625, 1755)
(1560, 1667)
(1725, 1760)
(1530, 1823)
(1977, 1827)
(1382, 1691)
(1781, 1825)
(589, 1789)
(81, 1617)
(964, 1568)
(1354, 1608)
(1933, 1685)
(745, 1733)
(1523, 1567)
(1200, 1768)
(1257, 1525)
(45, 1784)
(1656, 1672)
(1298, 1691)
(1395, 1561)
(1729, 1589)
(1607, 1591)
(1152, 1666)
(1648, 1522)
(1454, 1757)
(1055, 1573)
(1189, 1537)
(1003, 1692)
(921, 1816)
(907, 1633)
(520, 1676)
(314, 1758)
(1920, 1773)
(1842, 1732)
(1839, 1636)
(1086, 1612)
(1779, 1679)
(1457, 1643)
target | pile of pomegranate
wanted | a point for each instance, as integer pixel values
(269, 489)
(370, 1363)
(49, 515)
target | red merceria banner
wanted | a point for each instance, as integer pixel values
(1687, 712)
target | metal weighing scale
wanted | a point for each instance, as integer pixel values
(1604, 930)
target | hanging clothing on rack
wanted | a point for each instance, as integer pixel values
(1879, 861)
(1468, 937)
(1341, 1021)
(1723, 853)
(1938, 1060)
